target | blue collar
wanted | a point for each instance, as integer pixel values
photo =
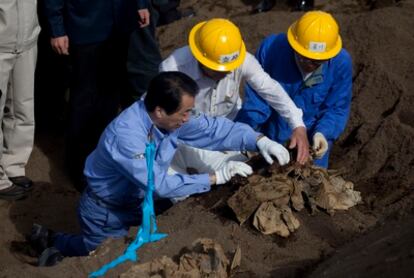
(149, 126)
(315, 78)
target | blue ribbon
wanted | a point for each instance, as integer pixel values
(148, 230)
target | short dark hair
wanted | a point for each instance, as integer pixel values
(166, 90)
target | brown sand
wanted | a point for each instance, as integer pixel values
(375, 238)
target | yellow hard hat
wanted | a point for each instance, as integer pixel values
(315, 35)
(217, 44)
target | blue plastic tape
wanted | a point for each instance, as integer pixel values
(148, 230)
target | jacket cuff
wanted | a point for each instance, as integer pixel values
(142, 4)
(325, 133)
(57, 31)
(204, 183)
(252, 142)
(297, 120)
(297, 123)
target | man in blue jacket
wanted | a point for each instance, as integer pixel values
(96, 35)
(116, 170)
(311, 65)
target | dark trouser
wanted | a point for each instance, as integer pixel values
(98, 81)
(51, 81)
(144, 58)
(97, 224)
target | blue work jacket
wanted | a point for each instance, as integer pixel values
(92, 21)
(324, 98)
(116, 170)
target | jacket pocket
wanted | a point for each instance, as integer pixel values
(319, 96)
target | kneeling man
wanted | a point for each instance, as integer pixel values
(116, 170)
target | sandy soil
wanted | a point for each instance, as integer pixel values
(377, 148)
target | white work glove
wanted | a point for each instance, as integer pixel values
(268, 148)
(320, 145)
(231, 169)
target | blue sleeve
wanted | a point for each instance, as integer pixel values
(261, 52)
(218, 133)
(54, 14)
(336, 108)
(166, 186)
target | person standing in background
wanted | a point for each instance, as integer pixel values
(297, 5)
(144, 55)
(96, 35)
(51, 81)
(19, 30)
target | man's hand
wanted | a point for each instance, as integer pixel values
(144, 17)
(60, 45)
(231, 169)
(300, 141)
(268, 148)
(320, 144)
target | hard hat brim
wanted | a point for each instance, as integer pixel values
(309, 54)
(192, 41)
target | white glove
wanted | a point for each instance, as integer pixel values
(268, 147)
(231, 169)
(320, 144)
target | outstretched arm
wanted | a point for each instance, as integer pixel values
(274, 94)
(334, 112)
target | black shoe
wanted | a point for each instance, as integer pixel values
(23, 182)
(13, 193)
(305, 5)
(50, 257)
(40, 238)
(264, 6)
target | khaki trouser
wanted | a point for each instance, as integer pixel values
(16, 113)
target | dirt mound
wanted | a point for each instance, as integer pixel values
(386, 252)
(378, 142)
(377, 148)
